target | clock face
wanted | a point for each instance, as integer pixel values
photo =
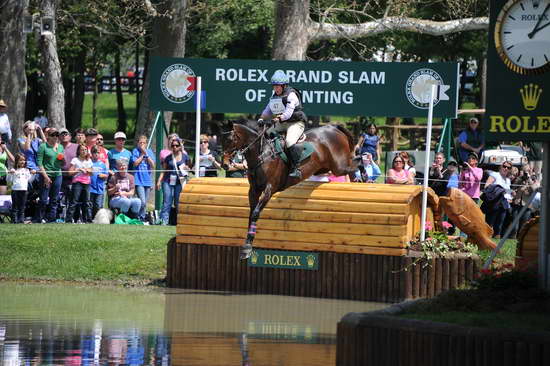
(522, 36)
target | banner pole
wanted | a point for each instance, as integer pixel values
(426, 165)
(198, 126)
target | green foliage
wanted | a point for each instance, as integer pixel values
(506, 277)
(84, 252)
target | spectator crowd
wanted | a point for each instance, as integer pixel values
(56, 176)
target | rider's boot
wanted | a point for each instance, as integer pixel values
(294, 152)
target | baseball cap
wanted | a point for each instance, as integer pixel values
(120, 135)
(91, 132)
(2, 103)
(452, 162)
(63, 130)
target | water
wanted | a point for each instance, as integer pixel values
(70, 325)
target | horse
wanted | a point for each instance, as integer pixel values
(268, 173)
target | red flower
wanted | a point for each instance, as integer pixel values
(446, 225)
(60, 156)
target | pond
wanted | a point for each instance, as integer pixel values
(82, 325)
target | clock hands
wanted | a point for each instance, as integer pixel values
(537, 28)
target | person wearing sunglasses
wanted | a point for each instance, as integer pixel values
(102, 153)
(208, 159)
(174, 168)
(471, 140)
(397, 174)
(497, 198)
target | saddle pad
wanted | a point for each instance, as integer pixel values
(307, 150)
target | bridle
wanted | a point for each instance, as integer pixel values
(247, 147)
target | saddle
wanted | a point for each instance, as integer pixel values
(278, 141)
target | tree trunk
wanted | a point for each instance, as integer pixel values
(121, 121)
(291, 30)
(79, 89)
(68, 86)
(13, 80)
(94, 94)
(168, 40)
(52, 70)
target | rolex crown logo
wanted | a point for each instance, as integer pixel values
(254, 257)
(310, 260)
(530, 94)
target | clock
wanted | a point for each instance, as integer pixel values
(522, 36)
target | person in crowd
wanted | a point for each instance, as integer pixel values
(5, 127)
(409, 163)
(524, 183)
(69, 149)
(170, 178)
(102, 153)
(533, 152)
(208, 159)
(119, 151)
(100, 173)
(338, 178)
(143, 161)
(91, 138)
(19, 178)
(5, 156)
(286, 112)
(80, 171)
(212, 142)
(237, 166)
(165, 152)
(397, 174)
(471, 140)
(370, 142)
(50, 162)
(41, 119)
(497, 197)
(470, 177)
(29, 143)
(121, 190)
(438, 178)
(368, 171)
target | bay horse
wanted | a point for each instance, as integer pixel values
(268, 173)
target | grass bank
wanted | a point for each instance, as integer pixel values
(67, 252)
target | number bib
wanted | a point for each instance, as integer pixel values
(276, 105)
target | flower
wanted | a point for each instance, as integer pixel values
(428, 226)
(60, 156)
(446, 224)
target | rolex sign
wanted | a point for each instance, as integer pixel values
(518, 71)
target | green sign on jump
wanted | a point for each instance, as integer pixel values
(328, 87)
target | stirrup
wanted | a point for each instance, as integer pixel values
(295, 173)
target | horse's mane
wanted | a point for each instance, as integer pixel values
(249, 123)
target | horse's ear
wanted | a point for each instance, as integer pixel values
(227, 125)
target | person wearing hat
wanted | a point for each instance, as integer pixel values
(5, 127)
(471, 176)
(50, 162)
(471, 140)
(40, 119)
(119, 151)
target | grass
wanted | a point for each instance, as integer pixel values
(107, 114)
(84, 252)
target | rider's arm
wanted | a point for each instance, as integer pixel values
(266, 114)
(292, 102)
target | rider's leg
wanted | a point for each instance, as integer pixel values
(292, 135)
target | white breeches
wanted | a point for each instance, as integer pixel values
(293, 133)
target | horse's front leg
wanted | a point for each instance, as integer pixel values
(256, 207)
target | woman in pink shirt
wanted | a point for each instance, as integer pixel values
(397, 174)
(470, 178)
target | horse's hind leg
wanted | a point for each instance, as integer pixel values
(260, 203)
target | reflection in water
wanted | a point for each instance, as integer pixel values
(56, 325)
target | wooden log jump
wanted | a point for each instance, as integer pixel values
(358, 232)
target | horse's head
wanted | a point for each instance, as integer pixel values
(235, 136)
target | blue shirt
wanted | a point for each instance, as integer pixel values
(32, 153)
(114, 155)
(372, 172)
(142, 173)
(370, 142)
(453, 181)
(97, 185)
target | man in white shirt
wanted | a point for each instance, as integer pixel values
(5, 127)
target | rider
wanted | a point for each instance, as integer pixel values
(285, 108)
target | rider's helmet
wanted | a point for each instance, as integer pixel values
(279, 78)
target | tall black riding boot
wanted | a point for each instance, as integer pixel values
(294, 152)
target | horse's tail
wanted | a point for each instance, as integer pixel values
(348, 135)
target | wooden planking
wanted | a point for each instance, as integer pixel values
(295, 204)
(296, 225)
(311, 215)
(289, 245)
(294, 236)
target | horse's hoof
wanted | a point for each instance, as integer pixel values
(246, 251)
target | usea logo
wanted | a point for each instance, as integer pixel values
(419, 85)
(177, 83)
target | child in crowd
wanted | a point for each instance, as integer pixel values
(19, 179)
(81, 171)
(100, 173)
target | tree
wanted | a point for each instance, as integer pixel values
(296, 30)
(13, 81)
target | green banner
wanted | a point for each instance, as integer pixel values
(400, 89)
(282, 259)
(518, 67)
